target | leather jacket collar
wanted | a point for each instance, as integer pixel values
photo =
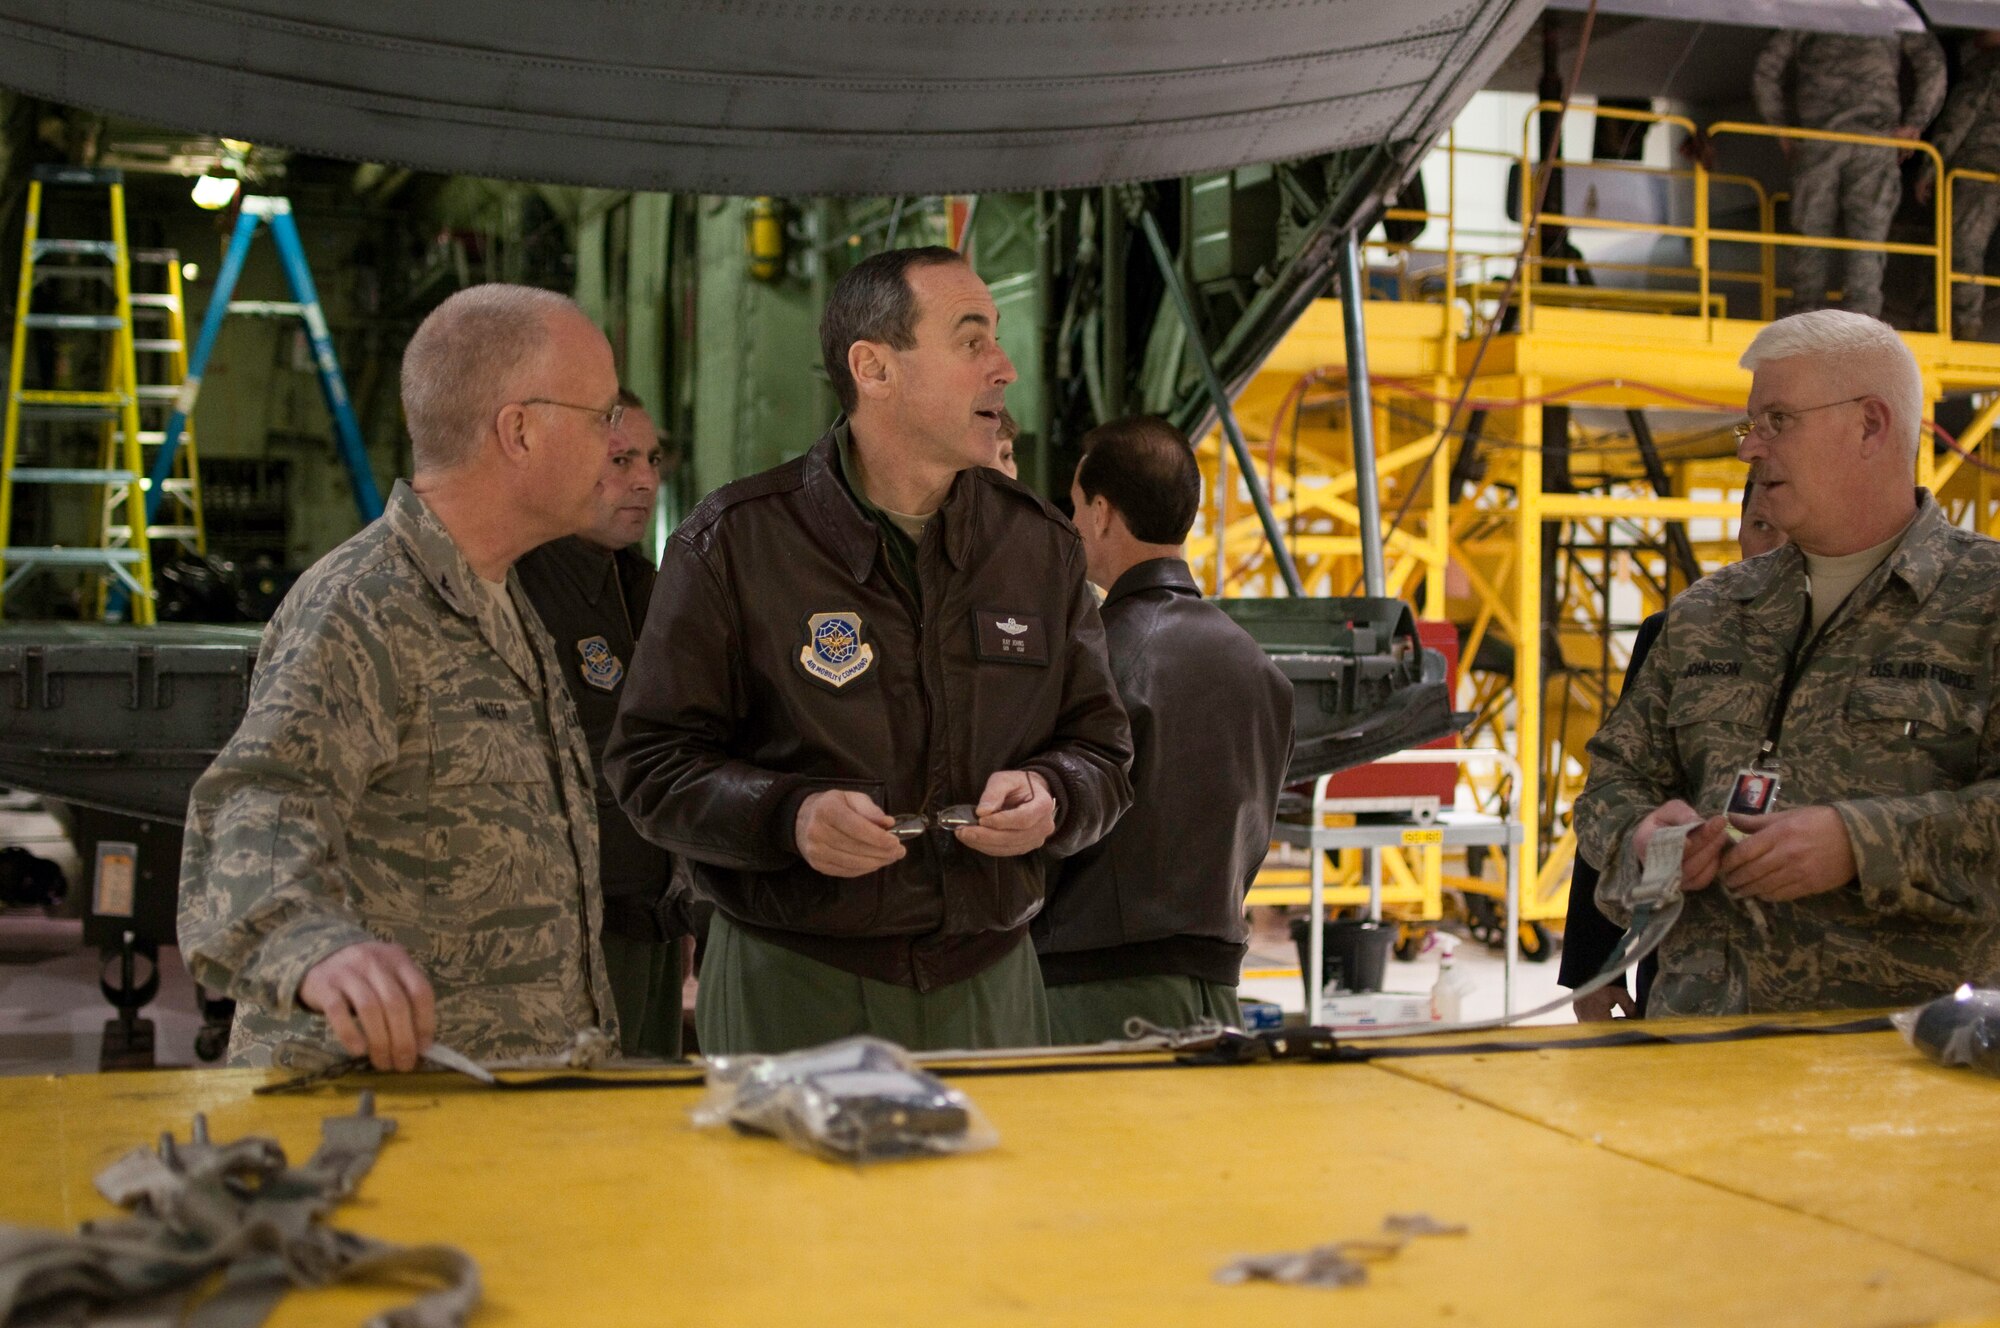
(1154, 574)
(839, 514)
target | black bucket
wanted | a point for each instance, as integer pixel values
(1356, 953)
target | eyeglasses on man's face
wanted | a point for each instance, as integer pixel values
(1768, 424)
(608, 418)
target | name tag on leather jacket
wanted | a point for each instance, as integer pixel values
(1011, 638)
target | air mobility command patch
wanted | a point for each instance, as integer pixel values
(601, 668)
(834, 654)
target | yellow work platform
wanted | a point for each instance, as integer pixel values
(1812, 1180)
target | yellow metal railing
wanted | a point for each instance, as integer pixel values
(1701, 233)
(1481, 283)
(1937, 251)
(1947, 196)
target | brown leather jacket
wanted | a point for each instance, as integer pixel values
(1212, 724)
(780, 657)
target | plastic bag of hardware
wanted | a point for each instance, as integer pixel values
(1962, 1029)
(856, 1100)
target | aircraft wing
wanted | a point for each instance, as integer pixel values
(768, 96)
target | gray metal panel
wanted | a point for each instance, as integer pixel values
(1963, 13)
(777, 96)
(122, 718)
(1865, 17)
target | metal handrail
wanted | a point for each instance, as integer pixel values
(1702, 233)
(1955, 277)
(1937, 251)
(1532, 218)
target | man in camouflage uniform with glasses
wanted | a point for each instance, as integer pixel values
(399, 843)
(1850, 85)
(1854, 666)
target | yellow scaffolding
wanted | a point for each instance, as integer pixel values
(1479, 553)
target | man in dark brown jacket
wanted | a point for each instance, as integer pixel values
(860, 641)
(1149, 920)
(591, 591)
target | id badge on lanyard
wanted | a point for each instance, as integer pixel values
(1755, 792)
(1756, 789)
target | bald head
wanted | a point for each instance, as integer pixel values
(465, 360)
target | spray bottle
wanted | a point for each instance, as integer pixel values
(1453, 985)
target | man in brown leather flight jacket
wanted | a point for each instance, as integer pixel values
(1148, 921)
(858, 641)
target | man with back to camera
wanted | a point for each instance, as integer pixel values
(1869, 882)
(1148, 921)
(590, 591)
(399, 841)
(883, 634)
(1588, 936)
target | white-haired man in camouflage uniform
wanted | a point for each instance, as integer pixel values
(399, 844)
(1842, 686)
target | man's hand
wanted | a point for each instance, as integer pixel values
(1702, 853)
(376, 1000)
(1789, 855)
(1925, 186)
(843, 833)
(1907, 132)
(1602, 1003)
(1017, 814)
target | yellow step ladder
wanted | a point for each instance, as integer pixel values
(162, 359)
(116, 405)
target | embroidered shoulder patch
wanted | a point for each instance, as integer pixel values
(601, 668)
(834, 652)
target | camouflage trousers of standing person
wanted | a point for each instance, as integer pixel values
(758, 996)
(645, 981)
(1850, 192)
(1975, 208)
(1085, 1012)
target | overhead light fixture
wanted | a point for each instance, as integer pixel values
(190, 272)
(215, 192)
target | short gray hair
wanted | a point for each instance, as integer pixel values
(1864, 353)
(459, 367)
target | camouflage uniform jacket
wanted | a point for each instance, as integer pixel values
(409, 770)
(1849, 84)
(1967, 135)
(1892, 724)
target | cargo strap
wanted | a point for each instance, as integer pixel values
(198, 1208)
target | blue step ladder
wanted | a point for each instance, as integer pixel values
(258, 210)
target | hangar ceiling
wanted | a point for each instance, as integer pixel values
(772, 97)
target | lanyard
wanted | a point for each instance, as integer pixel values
(1803, 651)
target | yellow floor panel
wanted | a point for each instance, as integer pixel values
(1872, 1137)
(1810, 1181)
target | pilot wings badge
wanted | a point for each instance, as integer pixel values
(834, 653)
(601, 668)
(1010, 638)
